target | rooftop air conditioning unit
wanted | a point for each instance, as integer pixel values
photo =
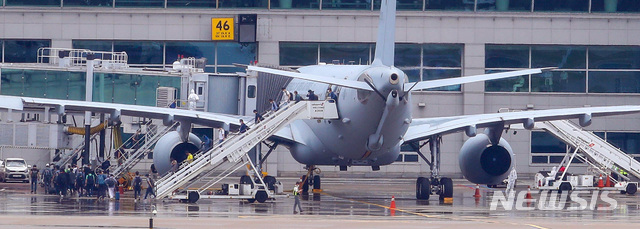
(166, 96)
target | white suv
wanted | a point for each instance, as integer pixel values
(15, 169)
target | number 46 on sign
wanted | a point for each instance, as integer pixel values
(222, 29)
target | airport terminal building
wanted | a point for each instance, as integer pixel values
(594, 44)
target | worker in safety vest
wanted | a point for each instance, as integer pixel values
(296, 195)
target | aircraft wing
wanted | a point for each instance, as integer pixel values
(422, 128)
(66, 106)
(469, 79)
(315, 78)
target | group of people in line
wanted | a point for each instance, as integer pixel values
(81, 181)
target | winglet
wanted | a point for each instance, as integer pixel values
(385, 43)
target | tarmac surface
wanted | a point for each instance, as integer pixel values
(353, 203)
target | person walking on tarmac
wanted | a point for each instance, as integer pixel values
(137, 186)
(296, 195)
(150, 186)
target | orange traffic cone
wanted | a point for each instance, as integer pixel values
(528, 196)
(393, 206)
(609, 184)
(477, 195)
(600, 183)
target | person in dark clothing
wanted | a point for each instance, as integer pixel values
(258, 117)
(34, 178)
(47, 178)
(80, 180)
(332, 95)
(150, 187)
(137, 185)
(62, 183)
(90, 184)
(106, 164)
(243, 127)
(297, 96)
(311, 95)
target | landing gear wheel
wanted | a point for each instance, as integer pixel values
(270, 181)
(261, 196)
(316, 182)
(305, 185)
(423, 188)
(632, 188)
(251, 200)
(446, 185)
(566, 186)
(246, 180)
(192, 197)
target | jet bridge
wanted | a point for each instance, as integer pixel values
(596, 151)
(230, 155)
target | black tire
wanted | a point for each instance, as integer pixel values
(305, 185)
(316, 182)
(251, 200)
(270, 181)
(193, 197)
(447, 188)
(244, 179)
(632, 188)
(565, 186)
(423, 188)
(261, 196)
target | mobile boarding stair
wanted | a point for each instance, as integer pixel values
(209, 168)
(596, 152)
(152, 134)
(66, 158)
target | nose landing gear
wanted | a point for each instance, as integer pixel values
(311, 180)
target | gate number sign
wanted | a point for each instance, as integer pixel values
(222, 29)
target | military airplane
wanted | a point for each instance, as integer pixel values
(375, 107)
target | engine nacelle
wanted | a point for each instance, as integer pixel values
(483, 163)
(170, 146)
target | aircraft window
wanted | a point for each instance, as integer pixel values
(251, 91)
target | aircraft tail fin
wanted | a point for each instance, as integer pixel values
(385, 43)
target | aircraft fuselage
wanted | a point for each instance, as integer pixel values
(364, 134)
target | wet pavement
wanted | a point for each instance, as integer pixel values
(359, 202)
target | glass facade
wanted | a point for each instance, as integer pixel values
(21, 51)
(130, 88)
(419, 61)
(164, 53)
(581, 69)
(576, 6)
(43, 83)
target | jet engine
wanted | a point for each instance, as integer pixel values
(170, 146)
(484, 163)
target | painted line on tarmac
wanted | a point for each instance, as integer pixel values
(432, 216)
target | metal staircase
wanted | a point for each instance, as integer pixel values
(66, 158)
(598, 152)
(130, 159)
(231, 154)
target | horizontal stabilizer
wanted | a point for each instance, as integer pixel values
(315, 78)
(470, 79)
